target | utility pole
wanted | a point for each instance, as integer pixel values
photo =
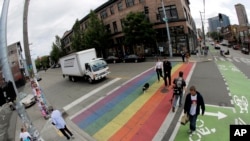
(8, 73)
(166, 22)
(26, 39)
(203, 31)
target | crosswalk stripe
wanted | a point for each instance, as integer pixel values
(222, 59)
(229, 59)
(236, 60)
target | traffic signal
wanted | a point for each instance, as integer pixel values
(220, 17)
(145, 9)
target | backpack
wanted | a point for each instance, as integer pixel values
(27, 139)
(178, 86)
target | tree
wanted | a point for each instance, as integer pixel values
(96, 35)
(56, 51)
(78, 37)
(138, 30)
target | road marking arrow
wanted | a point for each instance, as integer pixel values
(219, 114)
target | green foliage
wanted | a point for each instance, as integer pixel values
(78, 37)
(56, 51)
(138, 29)
(96, 36)
(42, 62)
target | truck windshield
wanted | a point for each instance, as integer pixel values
(98, 65)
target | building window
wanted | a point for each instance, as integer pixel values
(141, 1)
(104, 14)
(115, 27)
(108, 28)
(122, 22)
(129, 3)
(112, 10)
(119, 5)
(171, 12)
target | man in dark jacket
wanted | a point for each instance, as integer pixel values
(167, 67)
(194, 101)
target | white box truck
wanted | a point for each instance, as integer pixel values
(84, 64)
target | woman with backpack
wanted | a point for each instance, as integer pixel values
(179, 86)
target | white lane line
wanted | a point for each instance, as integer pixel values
(222, 59)
(74, 103)
(236, 60)
(229, 59)
(165, 125)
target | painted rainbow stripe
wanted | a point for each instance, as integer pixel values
(127, 113)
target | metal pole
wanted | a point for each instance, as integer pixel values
(26, 39)
(8, 73)
(166, 22)
(203, 31)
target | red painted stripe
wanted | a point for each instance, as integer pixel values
(153, 123)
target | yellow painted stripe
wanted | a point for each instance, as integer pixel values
(113, 126)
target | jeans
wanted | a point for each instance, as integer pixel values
(176, 98)
(159, 73)
(192, 120)
(64, 130)
(167, 76)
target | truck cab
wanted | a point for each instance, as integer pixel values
(96, 69)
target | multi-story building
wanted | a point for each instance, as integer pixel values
(15, 60)
(236, 33)
(241, 14)
(214, 23)
(181, 25)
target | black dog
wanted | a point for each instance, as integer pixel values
(145, 87)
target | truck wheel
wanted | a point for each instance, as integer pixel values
(90, 80)
(114, 61)
(73, 79)
(136, 60)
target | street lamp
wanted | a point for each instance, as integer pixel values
(166, 22)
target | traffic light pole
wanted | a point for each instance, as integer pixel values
(166, 21)
(8, 73)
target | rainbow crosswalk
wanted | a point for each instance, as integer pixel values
(129, 114)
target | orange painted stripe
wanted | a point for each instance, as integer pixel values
(134, 124)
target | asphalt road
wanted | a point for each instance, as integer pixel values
(60, 91)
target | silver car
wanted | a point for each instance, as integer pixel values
(27, 99)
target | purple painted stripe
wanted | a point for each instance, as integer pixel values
(83, 115)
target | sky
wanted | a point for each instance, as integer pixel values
(48, 18)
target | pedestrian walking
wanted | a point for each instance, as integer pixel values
(183, 56)
(158, 68)
(60, 123)
(179, 86)
(24, 135)
(167, 67)
(193, 103)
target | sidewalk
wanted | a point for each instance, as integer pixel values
(49, 133)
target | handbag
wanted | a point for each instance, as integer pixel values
(184, 119)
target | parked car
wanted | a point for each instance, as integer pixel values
(134, 58)
(27, 99)
(236, 47)
(113, 59)
(216, 47)
(245, 50)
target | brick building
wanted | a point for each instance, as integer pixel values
(16, 63)
(181, 25)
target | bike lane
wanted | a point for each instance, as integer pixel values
(215, 124)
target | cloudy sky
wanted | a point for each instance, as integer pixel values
(48, 18)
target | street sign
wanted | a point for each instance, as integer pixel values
(161, 49)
